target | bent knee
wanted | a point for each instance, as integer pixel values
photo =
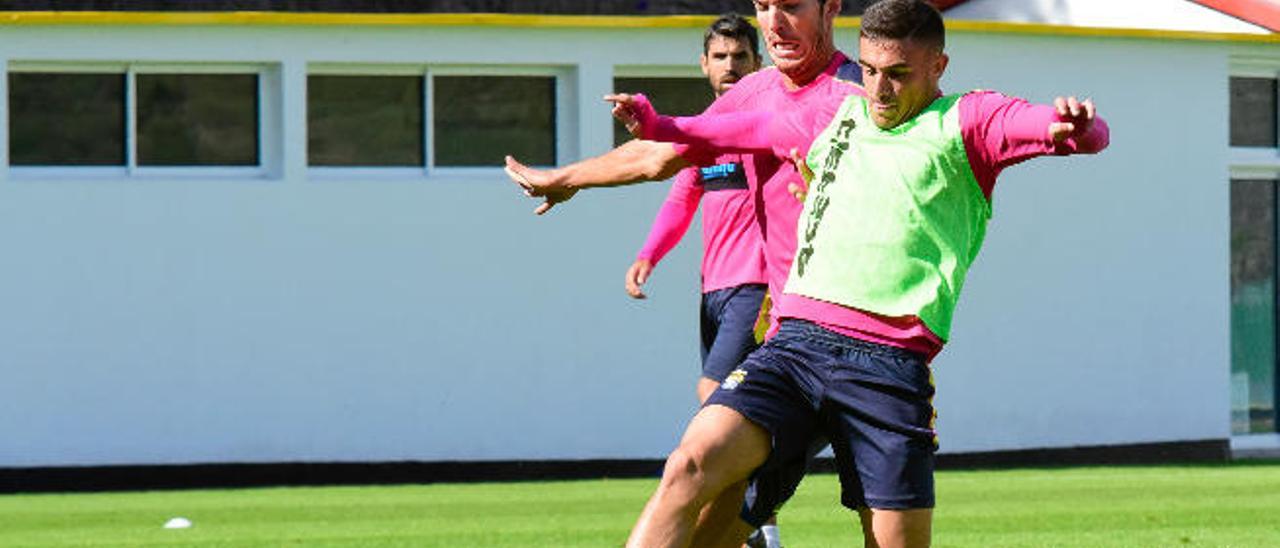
(685, 466)
(693, 470)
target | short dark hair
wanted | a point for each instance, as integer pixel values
(734, 26)
(914, 20)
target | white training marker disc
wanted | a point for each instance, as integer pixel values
(177, 523)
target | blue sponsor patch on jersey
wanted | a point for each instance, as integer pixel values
(730, 176)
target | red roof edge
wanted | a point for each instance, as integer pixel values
(944, 5)
(1264, 13)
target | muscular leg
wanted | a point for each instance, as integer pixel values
(718, 518)
(896, 528)
(720, 448)
(727, 338)
(720, 524)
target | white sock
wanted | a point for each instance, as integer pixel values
(772, 538)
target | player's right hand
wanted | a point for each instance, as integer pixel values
(637, 275)
(800, 189)
(538, 184)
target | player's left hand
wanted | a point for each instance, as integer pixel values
(622, 112)
(539, 184)
(1075, 117)
(634, 111)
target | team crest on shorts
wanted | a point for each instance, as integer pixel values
(734, 379)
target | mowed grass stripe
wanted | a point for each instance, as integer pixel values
(1219, 506)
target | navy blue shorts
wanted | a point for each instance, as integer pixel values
(873, 402)
(728, 327)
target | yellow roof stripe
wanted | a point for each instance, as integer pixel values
(563, 21)
(361, 19)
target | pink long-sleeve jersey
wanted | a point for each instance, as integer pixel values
(732, 247)
(998, 131)
(777, 212)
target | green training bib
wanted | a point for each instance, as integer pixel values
(894, 217)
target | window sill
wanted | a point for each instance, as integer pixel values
(1255, 446)
(1254, 163)
(62, 173)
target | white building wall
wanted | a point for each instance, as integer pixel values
(1098, 312)
(292, 317)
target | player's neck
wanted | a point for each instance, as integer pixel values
(805, 73)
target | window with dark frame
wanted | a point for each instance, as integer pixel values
(1253, 306)
(671, 96)
(214, 119)
(1255, 235)
(478, 119)
(66, 119)
(1253, 112)
(197, 119)
(355, 120)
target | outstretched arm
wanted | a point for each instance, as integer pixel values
(751, 132)
(1000, 131)
(633, 162)
(1078, 129)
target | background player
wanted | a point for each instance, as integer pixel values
(733, 272)
(733, 280)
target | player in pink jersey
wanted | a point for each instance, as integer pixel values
(807, 67)
(733, 273)
(733, 281)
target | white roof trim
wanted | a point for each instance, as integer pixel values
(1181, 15)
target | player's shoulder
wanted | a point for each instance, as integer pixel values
(987, 97)
(985, 104)
(847, 71)
(760, 78)
(688, 176)
(981, 109)
(841, 90)
(845, 79)
(747, 91)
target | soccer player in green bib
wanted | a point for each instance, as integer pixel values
(895, 214)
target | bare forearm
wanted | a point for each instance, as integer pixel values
(635, 161)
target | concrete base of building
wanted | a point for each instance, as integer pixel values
(192, 476)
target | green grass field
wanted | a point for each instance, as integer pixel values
(1222, 506)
